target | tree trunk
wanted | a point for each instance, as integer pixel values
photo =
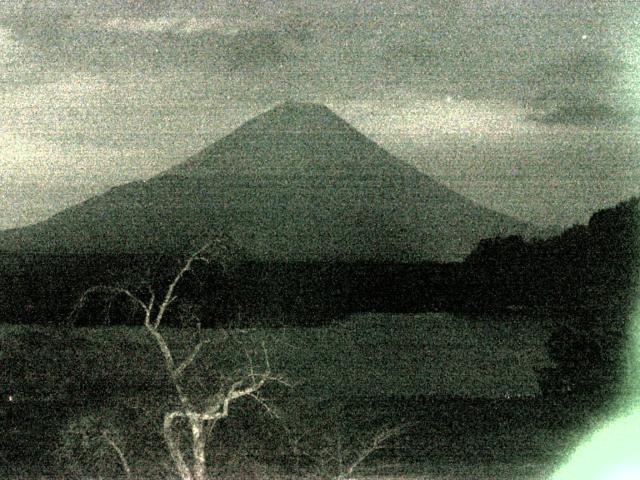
(199, 443)
(174, 449)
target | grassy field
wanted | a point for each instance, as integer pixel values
(368, 355)
(348, 379)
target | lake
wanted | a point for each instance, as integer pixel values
(367, 354)
(423, 354)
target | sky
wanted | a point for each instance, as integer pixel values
(529, 107)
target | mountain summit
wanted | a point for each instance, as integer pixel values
(296, 183)
(295, 139)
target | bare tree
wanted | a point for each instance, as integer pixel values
(336, 458)
(200, 414)
(377, 442)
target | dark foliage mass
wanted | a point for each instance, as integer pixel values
(589, 270)
(45, 289)
(587, 266)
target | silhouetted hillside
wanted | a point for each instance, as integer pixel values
(587, 266)
(588, 274)
(586, 269)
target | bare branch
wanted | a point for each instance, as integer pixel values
(172, 444)
(264, 405)
(190, 359)
(220, 408)
(123, 460)
(169, 296)
(266, 356)
(164, 348)
(248, 381)
(377, 443)
(108, 290)
(149, 310)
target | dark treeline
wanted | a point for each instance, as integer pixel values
(589, 266)
(46, 289)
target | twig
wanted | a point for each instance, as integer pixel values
(118, 450)
(190, 359)
(376, 444)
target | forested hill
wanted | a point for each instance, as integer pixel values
(586, 279)
(588, 266)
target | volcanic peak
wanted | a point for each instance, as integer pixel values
(297, 118)
(296, 140)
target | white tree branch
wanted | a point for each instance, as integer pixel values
(190, 359)
(123, 460)
(106, 289)
(172, 445)
(376, 443)
(169, 296)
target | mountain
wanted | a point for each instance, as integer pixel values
(296, 183)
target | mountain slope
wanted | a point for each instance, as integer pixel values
(295, 183)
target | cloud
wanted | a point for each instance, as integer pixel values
(416, 55)
(586, 89)
(255, 49)
(585, 112)
(188, 39)
(9, 47)
(178, 24)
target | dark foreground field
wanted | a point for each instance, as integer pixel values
(349, 381)
(448, 438)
